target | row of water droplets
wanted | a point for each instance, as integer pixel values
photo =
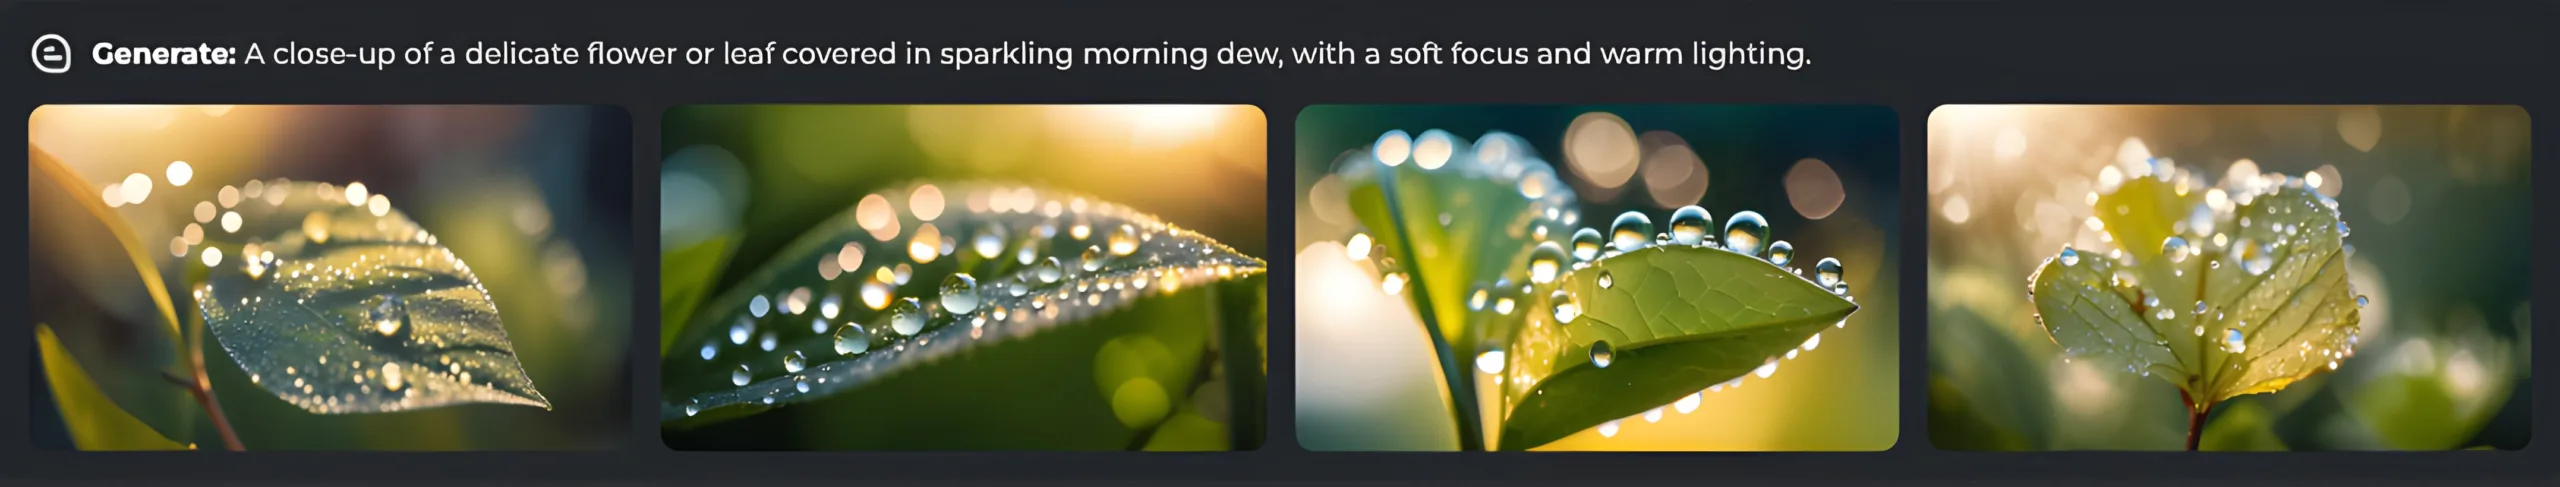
(1040, 281)
(2216, 228)
(1745, 232)
(1504, 158)
(330, 212)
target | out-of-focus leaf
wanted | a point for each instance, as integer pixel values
(343, 306)
(685, 275)
(2242, 426)
(804, 329)
(1454, 223)
(95, 423)
(1454, 218)
(96, 283)
(702, 194)
(1983, 375)
(1670, 321)
(2221, 291)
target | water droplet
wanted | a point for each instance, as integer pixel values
(1689, 225)
(1048, 270)
(2255, 257)
(794, 362)
(391, 379)
(756, 307)
(801, 384)
(2176, 249)
(989, 242)
(1092, 259)
(906, 317)
(875, 291)
(1601, 355)
(710, 350)
(1586, 245)
(1475, 302)
(1746, 233)
(2070, 256)
(1629, 232)
(2149, 300)
(388, 311)
(1565, 309)
(1545, 262)
(2165, 314)
(2200, 307)
(692, 408)
(739, 376)
(2233, 341)
(1781, 252)
(1689, 403)
(960, 293)
(1489, 362)
(1609, 429)
(1392, 283)
(852, 339)
(1653, 416)
(1607, 280)
(2342, 229)
(2361, 301)
(1504, 306)
(1124, 241)
(740, 331)
(1826, 272)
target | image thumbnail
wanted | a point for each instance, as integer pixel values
(221, 277)
(1626, 278)
(2228, 278)
(963, 277)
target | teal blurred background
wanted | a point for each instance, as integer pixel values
(2439, 199)
(536, 199)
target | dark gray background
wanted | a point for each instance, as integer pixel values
(1911, 56)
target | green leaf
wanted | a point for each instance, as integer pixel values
(1464, 224)
(2265, 264)
(944, 275)
(1455, 222)
(1673, 319)
(94, 421)
(105, 296)
(685, 275)
(343, 307)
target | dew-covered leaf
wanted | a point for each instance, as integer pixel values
(105, 297)
(2221, 291)
(933, 274)
(93, 420)
(1645, 328)
(1452, 218)
(338, 303)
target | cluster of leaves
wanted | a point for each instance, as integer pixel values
(1595, 338)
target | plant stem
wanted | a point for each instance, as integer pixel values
(1454, 369)
(201, 386)
(2195, 420)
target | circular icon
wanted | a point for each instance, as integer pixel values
(52, 54)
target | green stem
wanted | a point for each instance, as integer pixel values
(1462, 388)
(2195, 420)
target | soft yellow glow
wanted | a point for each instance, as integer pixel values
(180, 173)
